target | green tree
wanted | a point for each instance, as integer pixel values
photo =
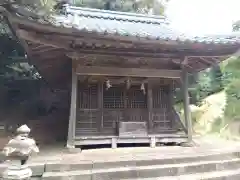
(138, 6)
(232, 86)
(216, 76)
(47, 6)
(12, 56)
(205, 83)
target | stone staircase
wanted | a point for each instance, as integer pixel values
(138, 164)
(215, 166)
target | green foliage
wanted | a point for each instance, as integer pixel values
(138, 6)
(203, 85)
(12, 57)
(207, 82)
(232, 86)
(216, 79)
(45, 7)
(225, 77)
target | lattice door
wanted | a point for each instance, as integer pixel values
(88, 113)
(121, 104)
(162, 116)
(113, 104)
(136, 106)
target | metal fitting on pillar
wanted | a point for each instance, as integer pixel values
(17, 151)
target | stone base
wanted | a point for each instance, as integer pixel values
(73, 149)
(188, 144)
(17, 173)
(69, 145)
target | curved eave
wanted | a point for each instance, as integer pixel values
(180, 44)
(200, 55)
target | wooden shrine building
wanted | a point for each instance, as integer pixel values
(121, 70)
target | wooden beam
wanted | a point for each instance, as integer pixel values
(124, 79)
(33, 38)
(121, 61)
(42, 48)
(207, 61)
(123, 52)
(129, 72)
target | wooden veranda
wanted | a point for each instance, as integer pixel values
(122, 70)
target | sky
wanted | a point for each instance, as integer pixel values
(203, 17)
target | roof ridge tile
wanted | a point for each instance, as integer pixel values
(115, 15)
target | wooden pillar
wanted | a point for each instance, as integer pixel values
(150, 106)
(100, 105)
(73, 109)
(150, 112)
(187, 113)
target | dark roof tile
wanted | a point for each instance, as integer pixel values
(131, 24)
(127, 24)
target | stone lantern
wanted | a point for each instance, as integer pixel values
(17, 151)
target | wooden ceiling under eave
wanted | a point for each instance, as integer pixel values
(52, 64)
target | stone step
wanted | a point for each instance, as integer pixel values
(89, 165)
(214, 175)
(140, 172)
(39, 168)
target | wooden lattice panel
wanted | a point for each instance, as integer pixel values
(88, 115)
(111, 118)
(136, 108)
(136, 115)
(162, 120)
(113, 105)
(136, 98)
(88, 96)
(87, 122)
(113, 98)
(162, 115)
(101, 111)
(161, 97)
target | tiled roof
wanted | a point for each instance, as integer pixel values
(131, 24)
(124, 24)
